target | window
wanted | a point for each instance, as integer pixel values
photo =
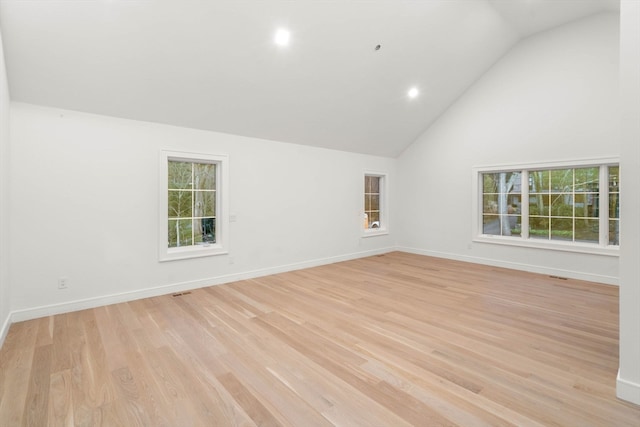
(562, 206)
(374, 204)
(192, 205)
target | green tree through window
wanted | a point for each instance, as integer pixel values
(191, 203)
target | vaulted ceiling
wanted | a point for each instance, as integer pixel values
(214, 65)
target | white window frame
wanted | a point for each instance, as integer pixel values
(384, 207)
(600, 248)
(222, 207)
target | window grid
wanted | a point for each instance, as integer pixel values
(613, 177)
(191, 203)
(565, 204)
(372, 201)
(562, 204)
(501, 203)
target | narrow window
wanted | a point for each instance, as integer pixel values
(375, 208)
(614, 205)
(371, 201)
(193, 205)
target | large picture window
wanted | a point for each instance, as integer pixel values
(192, 205)
(569, 206)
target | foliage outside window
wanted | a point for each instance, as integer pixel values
(192, 205)
(371, 201)
(577, 205)
(374, 204)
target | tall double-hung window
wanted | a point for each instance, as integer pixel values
(192, 205)
(375, 204)
(564, 206)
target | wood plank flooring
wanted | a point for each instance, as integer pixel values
(391, 340)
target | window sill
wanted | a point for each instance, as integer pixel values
(174, 254)
(586, 248)
(372, 232)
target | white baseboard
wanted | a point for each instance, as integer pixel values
(52, 309)
(5, 329)
(627, 390)
(579, 275)
(66, 307)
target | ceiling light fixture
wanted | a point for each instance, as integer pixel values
(413, 92)
(282, 37)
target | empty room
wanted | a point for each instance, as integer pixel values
(319, 213)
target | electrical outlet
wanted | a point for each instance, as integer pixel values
(62, 283)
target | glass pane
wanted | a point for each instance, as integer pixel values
(490, 203)
(614, 205)
(375, 203)
(205, 230)
(375, 184)
(614, 179)
(587, 230)
(491, 224)
(367, 202)
(501, 225)
(204, 203)
(180, 233)
(561, 229)
(580, 205)
(562, 205)
(584, 205)
(539, 181)
(562, 180)
(514, 224)
(204, 176)
(539, 227)
(371, 184)
(490, 182)
(179, 175)
(374, 219)
(539, 204)
(614, 232)
(501, 182)
(587, 179)
(180, 204)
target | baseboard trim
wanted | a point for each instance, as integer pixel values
(609, 280)
(5, 329)
(83, 304)
(627, 390)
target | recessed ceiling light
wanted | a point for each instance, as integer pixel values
(413, 92)
(282, 37)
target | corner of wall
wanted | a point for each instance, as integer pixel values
(627, 390)
(5, 309)
(628, 381)
(5, 329)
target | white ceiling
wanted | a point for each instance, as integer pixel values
(213, 64)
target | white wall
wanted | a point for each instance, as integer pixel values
(85, 206)
(4, 199)
(553, 97)
(629, 374)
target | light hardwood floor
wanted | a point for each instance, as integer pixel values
(392, 340)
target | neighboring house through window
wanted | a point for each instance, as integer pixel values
(568, 206)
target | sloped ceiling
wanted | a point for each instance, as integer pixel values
(213, 64)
